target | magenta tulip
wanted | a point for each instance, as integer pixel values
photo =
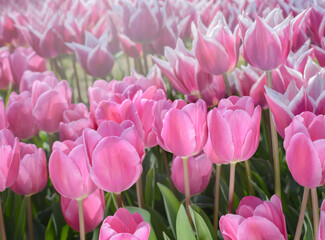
(304, 145)
(6, 77)
(115, 153)
(181, 128)
(9, 152)
(216, 47)
(93, 210)
(321, 228)
(234, 129)
(49, 102)
(124, 225)
(74, 121)
(199, 171)
(20, 115)
(255, 220)
(23, 59)
(266, 42)
(32, 175)
(68, 168)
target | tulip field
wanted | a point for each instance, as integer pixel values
(162, 119)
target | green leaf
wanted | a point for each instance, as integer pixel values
(158, 224)
(50, 230)
(171, 206)
(65, 232)
(20, 218)
(309, 233)
(202, 223)
(183, 226)
(149, 187)
(165, 236)
(146, 217)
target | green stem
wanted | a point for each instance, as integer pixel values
(249, 176)
(231, 187)
(30, 218)
(187, 186)
(2, 223)
(119, 200)
(228, 89)
(302, 213)
(216, 199)
(275, 150)
(81, 220)
(139, 189)
(145, 58)
(128, 65)
(314, 200)
(76, 77)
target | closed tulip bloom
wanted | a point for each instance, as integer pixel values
(216, 47)
(49, 102)
(304, 144)
(20, 115)
(266, 42)
(199, 171)
(68, 168)
(9, 152)
(129, 47)
(74, 121)
(5, 70)
(3, 116)
(115, 153)
(94, 56)
(255, 220)
(321, 228)
(124, 226)
(29, 77)
(93, 210)
(23, 59)
(234, 129)
(32, 175)
(181, 128)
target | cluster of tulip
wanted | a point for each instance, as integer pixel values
(226, 65)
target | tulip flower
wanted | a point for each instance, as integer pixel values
(94, 56)
(255, 219)
(199, 171)
(68, 169)
(266, 42)
(3, 116)
(115, 153)
(178, 123)
(49, 102)
(9, 147)
(129, 47)
(93, 210)
(32, 175)
(23, 59)
(29, 77)
(20, 115)
(124, 225)
(6, 77)
(216, 47)
(74, 121)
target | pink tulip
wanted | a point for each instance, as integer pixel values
(199, 171)
(255, 220)
(266, 42)
(115, 153)
(29, 77)
(32, 175)
(23, 59)
(94, 56)
(234, 129)
(129, 47)
(124, 225)
(181, 128)
(321, 228)
(315, 26)
(9, 152)
(294, 101)
(49, 102)
(74, 121)
(8, 31)
(5, 71)
(304, 145)
(216, 47)
(3, 116)
(68, 168)
(142, 20)
(20, 115)
(93, 210)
